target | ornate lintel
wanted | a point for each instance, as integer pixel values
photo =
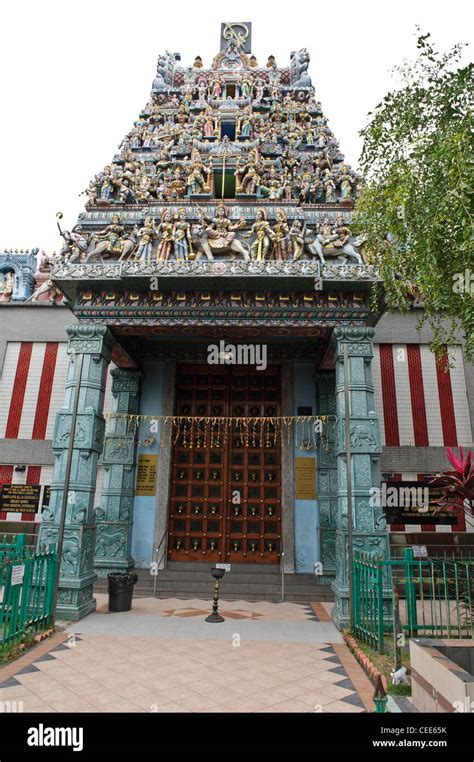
(215, 268)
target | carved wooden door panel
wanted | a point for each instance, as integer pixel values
(226, 473)
(253, 526)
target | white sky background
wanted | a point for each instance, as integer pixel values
(75, 74)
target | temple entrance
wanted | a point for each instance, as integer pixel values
(226, 471)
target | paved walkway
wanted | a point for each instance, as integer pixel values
(163, 657)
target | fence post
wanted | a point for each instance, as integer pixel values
(51, 575)
(397, 629)
(410, 592)
(25, 592)
(380, 632)
(355, 591)
(20, 542)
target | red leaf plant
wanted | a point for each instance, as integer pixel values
(457, 485)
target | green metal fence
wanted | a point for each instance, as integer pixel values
(26, 589)
(11, 543)
(433, 597)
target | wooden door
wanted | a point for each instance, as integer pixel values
(226, 472)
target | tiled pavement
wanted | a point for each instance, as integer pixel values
(243, 665)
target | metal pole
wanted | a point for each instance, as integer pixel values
(67, 479)
(282, 563)
(349, 484)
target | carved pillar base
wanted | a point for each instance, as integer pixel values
(77, 576)
(369, 524)
(115, 514)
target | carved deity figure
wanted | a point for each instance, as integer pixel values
(296, 236)
(48, 287)
(346, 181)
(146, 234)
(195, 180)
(75, 244)
(279, 236)
(182, 237)
(220, 232)
(330, 191)
(262, 231)
(251, 179)
(166, 234)
(209, 128)
(246, 88)
(216, 89)
(110, 240)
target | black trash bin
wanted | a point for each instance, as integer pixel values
(121, 590)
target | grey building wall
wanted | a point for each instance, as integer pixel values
(33, 322)
(30, 322)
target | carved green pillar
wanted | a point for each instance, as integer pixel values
(115, 514)
(369, 525)
(327, 474)
(95, 343)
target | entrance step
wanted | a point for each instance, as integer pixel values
(245, 582)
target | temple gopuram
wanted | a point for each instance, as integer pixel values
(206, 294)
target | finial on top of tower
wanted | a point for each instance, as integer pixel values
(238, 32)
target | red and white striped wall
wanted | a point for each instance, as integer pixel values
(419, 403)
(31, 391)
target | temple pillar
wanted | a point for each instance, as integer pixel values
(369, 524)
(77, 576)
(327, 484)
(115, 514)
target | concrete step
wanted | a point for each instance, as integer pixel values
(206, 579)
(206, 566)
(244, 582)
(205, 586)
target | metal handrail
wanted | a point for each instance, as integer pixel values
(157, 549)
(282, 567)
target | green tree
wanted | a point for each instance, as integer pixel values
(415, 201)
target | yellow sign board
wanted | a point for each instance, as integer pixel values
(146, 475)
(305, 477)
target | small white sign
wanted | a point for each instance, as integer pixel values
(226, 567)
(17, 574)
(420, 551)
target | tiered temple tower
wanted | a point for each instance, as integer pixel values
(225, 216)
